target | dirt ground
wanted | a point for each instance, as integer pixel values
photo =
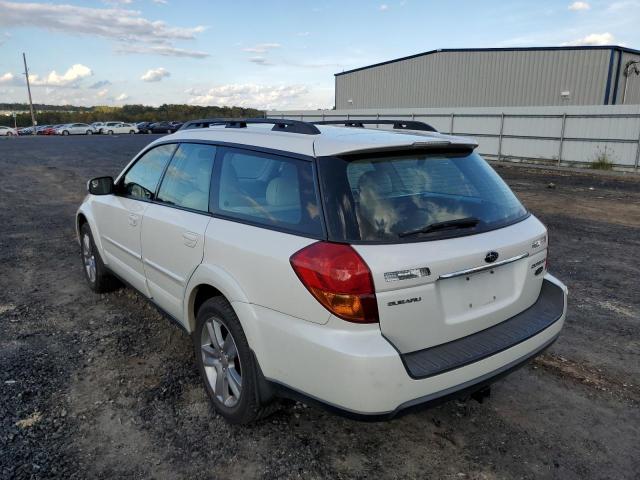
(102, 386)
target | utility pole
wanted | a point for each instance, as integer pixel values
(26, 73)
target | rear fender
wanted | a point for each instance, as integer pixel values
(217, 278)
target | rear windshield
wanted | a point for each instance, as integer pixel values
(416, 197)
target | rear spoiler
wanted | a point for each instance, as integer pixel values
(459, 145)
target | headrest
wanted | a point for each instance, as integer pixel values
(376, 182)
(283, 191)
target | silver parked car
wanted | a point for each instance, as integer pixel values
(75, 129)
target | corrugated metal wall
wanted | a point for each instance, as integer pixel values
(569, 136)
(633, 87)
(479, 78)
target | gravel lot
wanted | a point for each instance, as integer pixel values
(95, 386)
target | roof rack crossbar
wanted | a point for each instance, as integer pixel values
(279, 124)
(397, 124)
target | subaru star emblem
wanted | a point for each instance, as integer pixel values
(491, 257)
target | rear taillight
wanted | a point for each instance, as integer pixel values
(339, 279)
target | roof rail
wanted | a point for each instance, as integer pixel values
(397, 124)
(280, 125)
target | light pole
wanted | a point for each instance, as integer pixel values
(631, 67)
(26, 73)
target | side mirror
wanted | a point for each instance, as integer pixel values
(100, 186)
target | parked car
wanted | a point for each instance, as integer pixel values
(25, 131)
(97, 126)
(143, 127)
(51, 130)
(163, 127)
(8, 132)
(110, 128)
(41, 128)
(75, 129)
(369, 271)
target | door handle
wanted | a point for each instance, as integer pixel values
(190, 239)
(133, 219)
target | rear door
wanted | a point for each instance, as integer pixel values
(173, 226)
(119, 216)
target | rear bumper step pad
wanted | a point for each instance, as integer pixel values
(455, 354)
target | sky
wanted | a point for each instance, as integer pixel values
(275, 54)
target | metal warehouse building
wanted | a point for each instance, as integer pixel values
(500, 77)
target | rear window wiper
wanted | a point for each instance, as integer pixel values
(466, 222)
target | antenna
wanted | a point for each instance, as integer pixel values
(26, 74)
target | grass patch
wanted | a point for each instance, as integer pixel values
(602, 161)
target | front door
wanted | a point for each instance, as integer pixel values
(173, 227)
(120, 215)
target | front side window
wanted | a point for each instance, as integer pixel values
(188, 177)
(141, 180)
(270, 190)
(409, 197)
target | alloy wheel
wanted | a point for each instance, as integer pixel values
(221, 362)
(89, 258)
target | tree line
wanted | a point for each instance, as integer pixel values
(55, 114)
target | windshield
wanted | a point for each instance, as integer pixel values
(414, 197)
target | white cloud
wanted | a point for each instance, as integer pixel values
(122, 97)
(117, 2)
(262, 47)
(100, 84)
(155, 75)
(160, 2)
(593, 39)
(303, 34)
(4, 37)
(7, 78)
(114, 23)
(384, 7)
(260, 61)
(249, 95)
(102, 93)
(577, 6)
(70, 78)
(164, 50)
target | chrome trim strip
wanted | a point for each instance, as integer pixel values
(468, 271)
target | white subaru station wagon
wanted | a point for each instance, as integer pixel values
(369, 267)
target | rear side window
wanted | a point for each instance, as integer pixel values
(188, 177)
(270, 190)
(404, 197)
(142, 178)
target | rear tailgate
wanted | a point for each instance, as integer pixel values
(441, 303)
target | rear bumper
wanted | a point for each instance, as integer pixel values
(354, 370)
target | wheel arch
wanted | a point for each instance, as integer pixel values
(207, 282)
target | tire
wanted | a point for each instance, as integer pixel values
(216, 317)
(95, 273)
(109, 132)
(89, 132)
(169, 130)
(131, 132)
(65, 132)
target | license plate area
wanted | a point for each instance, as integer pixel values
(467, 296)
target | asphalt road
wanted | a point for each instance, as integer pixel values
(101, 386)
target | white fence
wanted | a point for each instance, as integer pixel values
(567, 136)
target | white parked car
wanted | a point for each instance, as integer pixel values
(109, 128)
(75, 129)
(7, 131)
(366, 270)
(97, 126)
